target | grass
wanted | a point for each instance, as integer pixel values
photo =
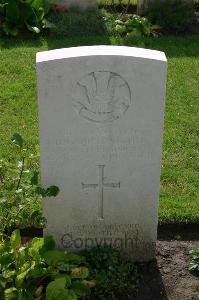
(179, 199)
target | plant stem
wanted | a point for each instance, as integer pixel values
(21, 173)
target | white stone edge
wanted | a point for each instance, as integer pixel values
(86, 51)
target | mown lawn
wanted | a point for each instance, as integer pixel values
(179, 199)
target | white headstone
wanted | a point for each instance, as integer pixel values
(143, 6)
(101, 118)
(79, 4)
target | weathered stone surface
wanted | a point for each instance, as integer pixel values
(79, 4)
(101, 117)
(144, 5)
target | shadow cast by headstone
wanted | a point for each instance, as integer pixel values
(182, 232)
(151, 284)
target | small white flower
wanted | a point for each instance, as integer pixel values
(19, 164)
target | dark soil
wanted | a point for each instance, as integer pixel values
(168, 278)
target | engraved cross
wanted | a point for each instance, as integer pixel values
(101, 185)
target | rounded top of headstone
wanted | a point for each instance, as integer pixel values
(100, 50)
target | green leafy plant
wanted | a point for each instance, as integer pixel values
(135, 26)
(194, 263)
(36, 270)
(173, 15)
(16, 14)
(20, 192)
(116, 277)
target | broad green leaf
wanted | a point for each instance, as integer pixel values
(61, 294)
(8, 273)
(38, 246)
(38, 271)
(40, 191)
(36, 215)
(2, 248)
(3, 283)
(35, 178)
(20, 278)
(80, 273)
(40, 14)
(54, 257)
(49, 192)
(74, 258)
(6, 259)
(195, 252)
(66, 277)
(80, 289)
(48, 25)
(12, 12)
(15, 239)
(49, 244)
(17, 140)
(71, 295)
(10, 294)
(26, 12)
(2, 8)
(193, 266)
(35, 246)
(52, 191)
(10, 30)
(56, 290)
(21, 295)
(32, 28)
(37, 4)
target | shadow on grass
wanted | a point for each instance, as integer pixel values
(24, 40)
(172, 46)
(94, 28)
(57, 43)
(97, 28)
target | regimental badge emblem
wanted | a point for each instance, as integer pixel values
(102, 96)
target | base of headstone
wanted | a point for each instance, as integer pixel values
(78, 4)
(143, 6)
(130, 239)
